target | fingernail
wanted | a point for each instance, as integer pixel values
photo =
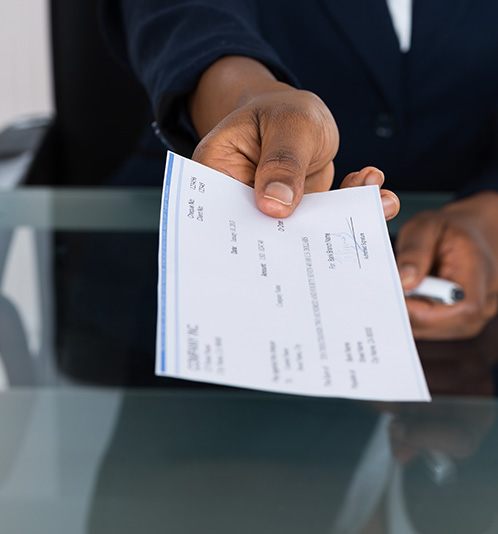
(389, 205)
(374, 177)
(407, 274)
(280, 192)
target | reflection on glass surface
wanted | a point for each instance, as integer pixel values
(26, 306)
(77, 307)
(72, 267)
(224, 461)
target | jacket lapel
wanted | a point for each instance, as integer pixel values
(367, 26)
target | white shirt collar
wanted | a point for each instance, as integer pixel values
(401, 14)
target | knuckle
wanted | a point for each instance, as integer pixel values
(287, 117)
(471, 312)
(301, 109)
(282, 157)
(200, 151)
(282, 162)
(473, 321)
(413, 234)
(209, 142)
(370, 168)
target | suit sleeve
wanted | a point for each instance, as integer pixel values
(169, 43)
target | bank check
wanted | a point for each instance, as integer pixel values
(310, 305)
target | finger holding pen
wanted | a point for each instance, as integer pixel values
(456, 243)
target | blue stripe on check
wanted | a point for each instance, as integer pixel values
(167, 190)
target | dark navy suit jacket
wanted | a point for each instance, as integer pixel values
(428, 118)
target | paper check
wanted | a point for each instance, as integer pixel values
(310, 305)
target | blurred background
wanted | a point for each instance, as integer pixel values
(25, 65)
(25, 92)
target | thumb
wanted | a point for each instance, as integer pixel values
(279, 178)
(288, 146)
(298, 140)
(416, 248)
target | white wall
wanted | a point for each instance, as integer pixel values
(25, 87)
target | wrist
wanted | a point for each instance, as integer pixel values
(228, 84)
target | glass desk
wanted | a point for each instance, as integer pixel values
(93, 442)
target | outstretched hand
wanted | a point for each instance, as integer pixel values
(280, 140)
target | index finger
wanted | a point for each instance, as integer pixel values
(464, 319)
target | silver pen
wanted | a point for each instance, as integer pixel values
(437, 289)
